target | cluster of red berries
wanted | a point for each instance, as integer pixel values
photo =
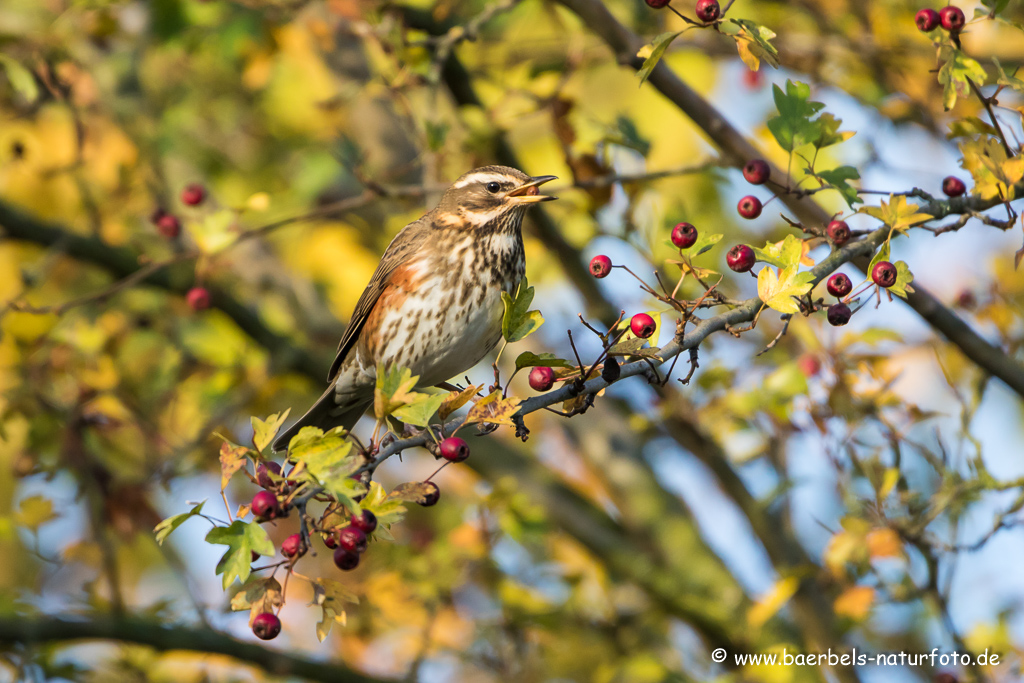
(755, 172)
(708, 11)
(951, 18)
(348, 541)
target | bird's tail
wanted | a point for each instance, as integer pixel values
(325, 414)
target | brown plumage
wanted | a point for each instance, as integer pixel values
(434, 303)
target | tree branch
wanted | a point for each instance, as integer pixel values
(737, 150)
(44, 629)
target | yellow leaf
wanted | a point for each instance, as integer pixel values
(884, 543)
(493, 409)
(456, 400)
(264, 432)
(777, 292)
(765, 608)
(855, 602)
(897, 213)
(232, 459)
(844, 547)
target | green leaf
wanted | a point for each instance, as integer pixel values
(331, 597)
(995, 6)
(20, 78)
(784, 254)
(703, 243)
(1007, 80)
(837, 178)
(528, 359)
(954, 73)
(881, 255)
(753, 42)
(828, 131)
(166, 527)
(651, 54)
(393, 390)
(777, 291)
(329, 459)
(242, 539)
(263, 433)
(903, 279)
(34, 511)
(519, 322)
(386, 509)
(793, 126)
(421, 409)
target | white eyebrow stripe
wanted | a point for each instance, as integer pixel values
(484, 178)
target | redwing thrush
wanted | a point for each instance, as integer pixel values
(434, 303)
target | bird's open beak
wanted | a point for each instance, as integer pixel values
(530, 192)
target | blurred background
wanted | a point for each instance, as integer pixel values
(851, 487)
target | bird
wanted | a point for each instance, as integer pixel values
(434, 303)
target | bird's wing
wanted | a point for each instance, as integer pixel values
(405, 244)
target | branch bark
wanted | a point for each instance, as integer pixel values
(737, 150)
(46, 629)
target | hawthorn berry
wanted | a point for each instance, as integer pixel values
(193, 194)
(168, 225)
(600, 266)
(365, 521)
(684, 235)
(253, 556)
(756, 171)
(454, 449)
(198, 298)
(611, 370)
(656, 4)
(838, 314)
(266, 626)
(542, 379)
(331, 539)
(262, 476)
(926, 20)
(265, 506)
(708, 10)
(352, 539)
(838, 232)
(432, 495)
(952, 18)
(293, 546)
(749, 207)
(839, 285)
(345, 560)
(965, 299)
(809, 365)
(953, 186)
(740, 258)
(884, 274)
(642, 325)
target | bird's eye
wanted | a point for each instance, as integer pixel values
(492, 187)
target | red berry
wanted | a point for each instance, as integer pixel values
(753, 79)
(749, 207)
(756, 171)
(838, 314)
(542, 379)
(684, 235)
(926, 20)
(168, 225)
(352, 539)
(432, 495)
(708, 10)
(809, 365)
(600, 266)
(839, 285)
(454, 449)
(656, 4)
(253, 556)
(952, 18)
(740, 258)
(193, 194)
(953, 186)
(265, 506)
(884, 274)
(266, 626)
(293, 546)
(346, 560)
(198, 298)
(365, 521)
(331, 539)
(642, 325)
(965, 299)
(262, 477)
(838, 232)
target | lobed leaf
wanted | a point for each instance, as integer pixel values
(242, 539)
(519, 322)
(167, 526)
(263, 433)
